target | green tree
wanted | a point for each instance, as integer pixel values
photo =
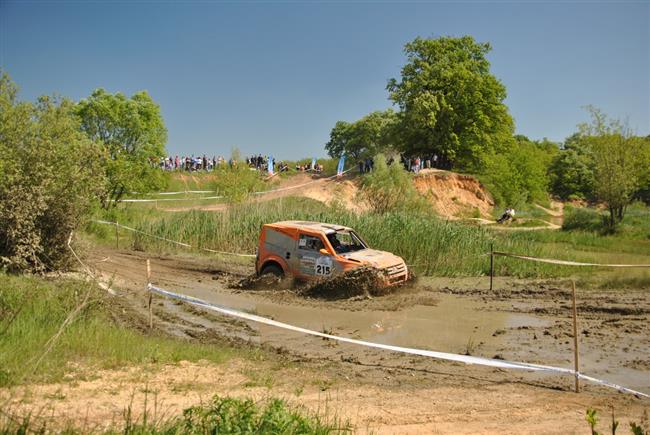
(520, 174)
(366, 137)
(571, 172)
(132, 133)
(50, 178)
(643, 193)
(450, 102)
(619, 162)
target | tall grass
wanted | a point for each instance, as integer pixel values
(33, 309)
(434, 246)
(221, 415)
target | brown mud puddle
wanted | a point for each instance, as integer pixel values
(522, 321)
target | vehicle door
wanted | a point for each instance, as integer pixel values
(312, 263)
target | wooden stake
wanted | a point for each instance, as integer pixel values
(575, 337)
(146, 287)
(491, 264)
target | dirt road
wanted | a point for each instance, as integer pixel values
(381, 391)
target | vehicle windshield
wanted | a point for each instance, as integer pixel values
(346, 241)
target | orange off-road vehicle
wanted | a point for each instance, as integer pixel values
(313, 250)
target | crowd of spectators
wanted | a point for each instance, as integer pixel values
(204, 163)
(411, 164)
(192, 163)
(417, 163)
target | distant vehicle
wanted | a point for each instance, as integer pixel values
(313, 250)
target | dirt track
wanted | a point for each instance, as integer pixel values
(382, 391)
(324, 189)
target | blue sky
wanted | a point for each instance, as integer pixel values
(274, 77)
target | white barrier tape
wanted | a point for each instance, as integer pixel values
(169, 199)
(186, 191)
(174, 193)
(172, 241)
(264, 192)
(421, 352)
(565, 262)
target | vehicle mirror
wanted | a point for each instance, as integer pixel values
(324, 251)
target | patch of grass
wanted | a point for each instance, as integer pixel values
(582, 219)
(434, 246)
(528, 223)
(630, 279)
(221, 415)
(33, 309)
(257, 378)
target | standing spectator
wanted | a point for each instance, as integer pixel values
(367, 166)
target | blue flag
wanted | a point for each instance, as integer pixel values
(313, 163)
(270, 165)
(339, 170)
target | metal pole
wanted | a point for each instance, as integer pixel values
(491, 264)
(146, 287)
(575, 337)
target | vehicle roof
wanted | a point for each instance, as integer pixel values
(309, 226)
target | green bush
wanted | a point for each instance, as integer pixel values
(389, 188)
(236, 183)
(50, 176)
(582, 219)
(237, 416)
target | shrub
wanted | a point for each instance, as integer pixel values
(237, 182)
(582, 219)
(229, 415)
(50, 176)
(389, 188)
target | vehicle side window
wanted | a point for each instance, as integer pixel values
(310, 243)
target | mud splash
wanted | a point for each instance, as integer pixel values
(359, 282)
(363, 281)
(262, 282)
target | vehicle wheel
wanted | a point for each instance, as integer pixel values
(272, 269)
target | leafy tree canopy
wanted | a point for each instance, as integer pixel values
(619, 162)
(450, 102)
(519, 174)
(364, 138)
(133, 135)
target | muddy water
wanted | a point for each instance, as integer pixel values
(453, 325)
